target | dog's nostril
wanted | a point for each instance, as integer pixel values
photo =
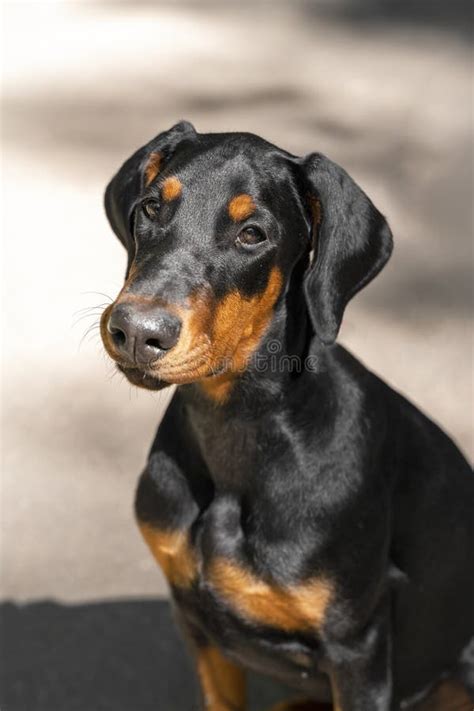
(119, 338)
(163, 334)
(154, 343)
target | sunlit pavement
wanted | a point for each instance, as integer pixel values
(84, 85)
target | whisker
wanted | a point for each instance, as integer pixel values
(84, 316)
(88, 312)
(98, 293)
(94, 337)
(113, 371)
(90, 308)
(88, 331)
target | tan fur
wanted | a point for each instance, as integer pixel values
(448, 695)
(299, 607)
(238, 326)
(173, 552)
(171, 188)
(241, 207)
(212, 333)
(152, 167)
(222, 683)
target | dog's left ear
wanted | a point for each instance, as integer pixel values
(352, 242)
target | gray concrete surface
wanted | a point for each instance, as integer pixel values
(104, 656)
(84, 85)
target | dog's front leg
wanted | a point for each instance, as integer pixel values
(222, 682)
(360, 667)
(165, 510)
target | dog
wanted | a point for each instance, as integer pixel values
(313, 525)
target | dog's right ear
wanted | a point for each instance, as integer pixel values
(137, 172)
(352, 243)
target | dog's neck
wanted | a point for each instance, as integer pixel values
(265, 402)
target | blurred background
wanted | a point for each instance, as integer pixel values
(383, 88)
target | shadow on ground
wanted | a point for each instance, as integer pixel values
(454, 16)
(124, 656)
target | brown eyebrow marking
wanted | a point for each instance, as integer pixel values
(152, 167)
(171, 188)
(241, 207)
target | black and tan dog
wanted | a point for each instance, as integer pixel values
(312, 524)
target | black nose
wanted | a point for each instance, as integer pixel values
(142, 333)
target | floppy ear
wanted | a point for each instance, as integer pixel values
(352, 243)
(140, 169)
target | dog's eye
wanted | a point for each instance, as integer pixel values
(251, 236)
(151, 208)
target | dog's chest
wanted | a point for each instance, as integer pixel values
(258, 619)
(231, 452)
(263, 625)
(223, 568)
(292, 655)
(240, 526)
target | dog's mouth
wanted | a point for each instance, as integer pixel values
(195, 359)
(190, 360)
(194, 367)
(141, 379)
(215, 342)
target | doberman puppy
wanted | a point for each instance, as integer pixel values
(313, 525)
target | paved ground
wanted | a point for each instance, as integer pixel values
(85, 84)
(102, 657)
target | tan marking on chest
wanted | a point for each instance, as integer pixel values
(241, 207)
(222, 682)
(173, 552)
(152, 167)
(300, 607)
(171, 188)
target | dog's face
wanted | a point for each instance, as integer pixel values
(214, 225)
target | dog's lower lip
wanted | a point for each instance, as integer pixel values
(141, 378)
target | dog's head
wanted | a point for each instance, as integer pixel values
(214, 225)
